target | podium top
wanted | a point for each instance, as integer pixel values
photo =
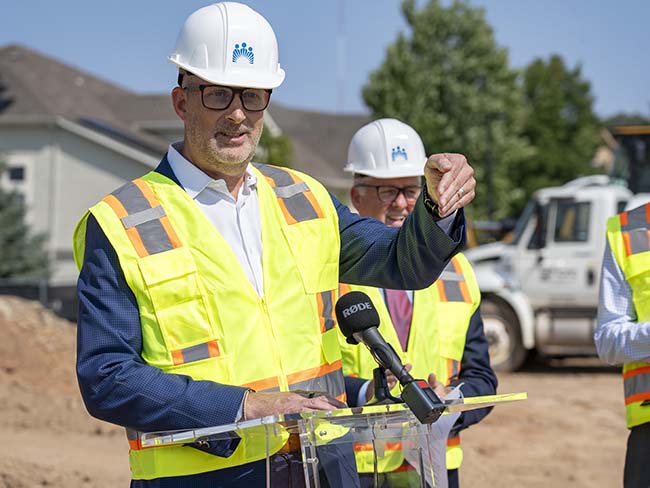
(373, 417)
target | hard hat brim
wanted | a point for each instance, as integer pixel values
(240, 78)
(386, 173)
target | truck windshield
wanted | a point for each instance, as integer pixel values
(523, 220)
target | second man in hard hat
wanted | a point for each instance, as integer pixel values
(437, 330)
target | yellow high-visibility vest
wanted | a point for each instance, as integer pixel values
(200, 315)
(628, 234)
(441, 316)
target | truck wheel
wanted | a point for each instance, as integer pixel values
(507, 353)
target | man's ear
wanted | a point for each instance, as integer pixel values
(179, 101)
(355, 197)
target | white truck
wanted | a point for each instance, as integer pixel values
(540, 291)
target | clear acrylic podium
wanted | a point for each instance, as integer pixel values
(326, 443)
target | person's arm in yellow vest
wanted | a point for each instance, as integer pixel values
(619, 337)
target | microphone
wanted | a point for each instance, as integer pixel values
(358, 320)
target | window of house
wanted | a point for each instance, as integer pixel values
(16, 173)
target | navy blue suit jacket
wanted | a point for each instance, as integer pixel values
(118, 387)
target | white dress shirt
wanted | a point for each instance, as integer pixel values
(619, 337)
(238, 221)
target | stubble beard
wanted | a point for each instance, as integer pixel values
(211, 158)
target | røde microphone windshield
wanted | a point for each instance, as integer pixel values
(358, 320)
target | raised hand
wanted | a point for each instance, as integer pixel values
(450, 181)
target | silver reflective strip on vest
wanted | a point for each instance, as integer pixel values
(300, 208)
(636, 384)
(291, 193)
(637, 229)
(332, 383)
(447, 275)
(451, 284)
(131, 198)
(279, 176)
(455, 369)
(452, 291)
(636, 219)
(639, 240)
(154, 237)
(326, 296)
(132, 435)
(143, 216)
(291, 190)
(195, 353)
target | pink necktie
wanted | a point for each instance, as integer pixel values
(401, 311)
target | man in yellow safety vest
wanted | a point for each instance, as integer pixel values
(207, 286)
(438, 330)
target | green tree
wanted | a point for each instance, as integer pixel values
(276, 150)
(22, 255)
(449, 80)
(560, 124)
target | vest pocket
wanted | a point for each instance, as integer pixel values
(330, 346)
(452, 345)
(316, 256)
(178, 299)
(640, 283)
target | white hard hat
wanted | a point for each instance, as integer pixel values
(229, 44)
(386, 148)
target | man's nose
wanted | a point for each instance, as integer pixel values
(236, 111)
(400, 200)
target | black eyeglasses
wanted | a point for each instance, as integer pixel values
(215, 97)
(388, 194)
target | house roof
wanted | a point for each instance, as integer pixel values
(68, 92)
(319, 140)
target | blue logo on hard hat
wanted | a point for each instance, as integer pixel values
(399, 152)
(243, 52)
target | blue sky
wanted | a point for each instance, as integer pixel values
(127, 42)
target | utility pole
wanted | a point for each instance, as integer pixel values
(340, 55)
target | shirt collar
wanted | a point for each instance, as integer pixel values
(194, 180)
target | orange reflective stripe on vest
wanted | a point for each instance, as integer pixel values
(367, 446)
(326, 378)
(636, 384)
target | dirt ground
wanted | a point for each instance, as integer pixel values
(570, 432)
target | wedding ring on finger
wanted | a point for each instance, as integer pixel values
(461, 192)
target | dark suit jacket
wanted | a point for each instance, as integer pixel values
(118, 387)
